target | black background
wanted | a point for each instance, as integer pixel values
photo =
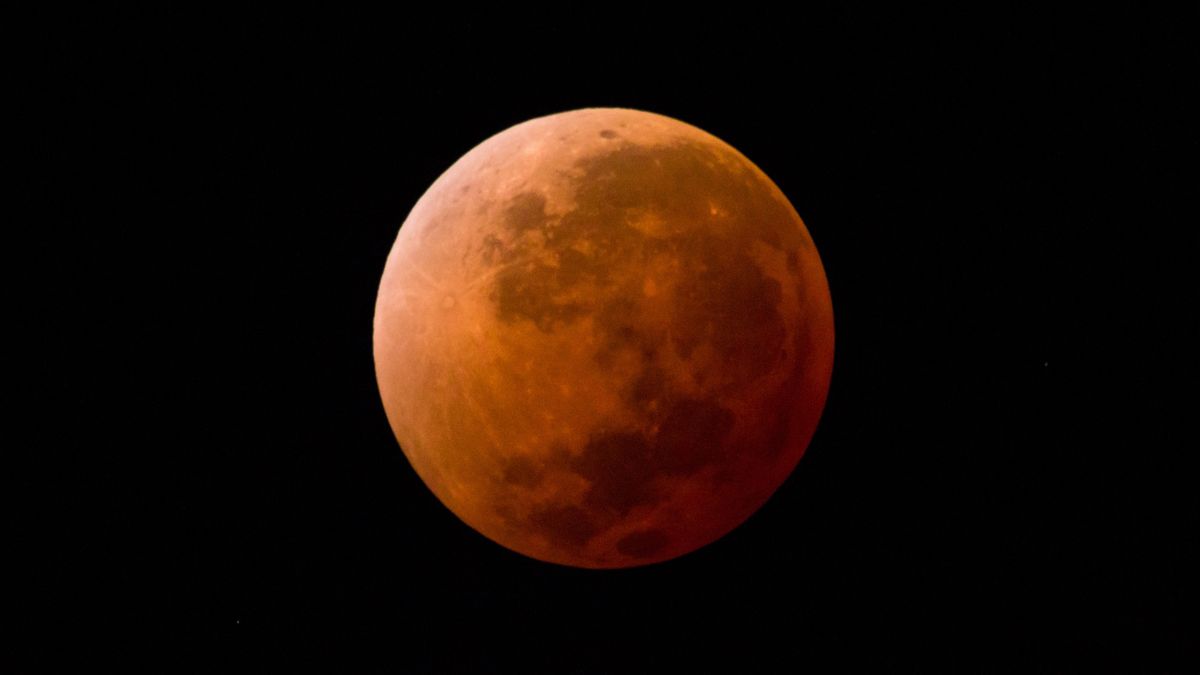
(1000, 480)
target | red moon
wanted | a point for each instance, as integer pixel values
(603, 338)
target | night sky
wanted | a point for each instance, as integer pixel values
(1004, 205)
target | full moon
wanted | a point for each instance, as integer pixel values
(603, 338)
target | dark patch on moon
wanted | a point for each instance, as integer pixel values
(529, 290)
(618, 325)
(569, 525)
(609, 134)
(525, 297)
(780, 413)
(724, 300)
(526, 211)
(523, 472)
(492, 250)
(622, 469)
(572, 268)
(777, 435)
(709, 208)
(622, 466)
(650, 385)
(691, 436)
(643, 543)
(734, 307)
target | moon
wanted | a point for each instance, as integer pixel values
(603, 338)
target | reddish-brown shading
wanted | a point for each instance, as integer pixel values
(613, 347)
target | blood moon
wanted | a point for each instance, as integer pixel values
(603, 338)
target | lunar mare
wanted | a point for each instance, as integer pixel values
(603, 338)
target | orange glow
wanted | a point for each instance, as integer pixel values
(603, 338)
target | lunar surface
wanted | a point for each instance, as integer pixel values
(603, 338)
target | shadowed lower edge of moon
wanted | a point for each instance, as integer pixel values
(588, 263)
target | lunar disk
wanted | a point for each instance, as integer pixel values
(603, 338)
